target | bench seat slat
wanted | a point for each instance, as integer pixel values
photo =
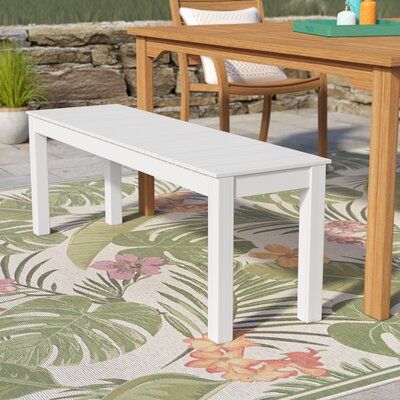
(197, 148)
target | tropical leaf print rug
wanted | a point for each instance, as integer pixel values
(119, 312)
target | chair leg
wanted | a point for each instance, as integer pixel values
(323, 118)
(185, 105)
(266, 118)
(185, 87)
(224, 111)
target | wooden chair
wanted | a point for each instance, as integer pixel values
(224, 88)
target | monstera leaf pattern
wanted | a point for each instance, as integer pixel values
(16, 381)
(59, 321)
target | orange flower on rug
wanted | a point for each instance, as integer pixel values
(181, 202)
(284, 256)
(229, 360)
(306, 362)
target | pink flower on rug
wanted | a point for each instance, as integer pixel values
(127, 266)
(8, 285)
(346, 232)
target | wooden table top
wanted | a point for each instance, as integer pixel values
(278, 37)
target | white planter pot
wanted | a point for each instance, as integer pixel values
(13, 125)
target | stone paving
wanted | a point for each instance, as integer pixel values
(295, 129)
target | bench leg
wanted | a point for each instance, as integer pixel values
(220, 260)
(112, 188)
(311, 247)
(39, 182)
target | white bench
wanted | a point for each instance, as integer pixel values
(216, 164)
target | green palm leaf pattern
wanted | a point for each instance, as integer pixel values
(18, 208)
(256, 305)
(32, 282)
(16, 227)
(103, 289)
(82, 193)
(17, 236)
(167, 387)
(338, 275)
(302, 386)
(257, 219)
(91, 392)
(287, 202)
(93, 237)
(182, 243)
(57, 321)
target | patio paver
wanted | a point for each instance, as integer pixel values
(295, 129)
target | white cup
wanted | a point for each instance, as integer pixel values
(346, 18)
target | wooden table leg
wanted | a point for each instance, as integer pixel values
(144, 68)
(323, 117)
(381, 192)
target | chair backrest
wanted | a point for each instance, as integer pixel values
(213, 5)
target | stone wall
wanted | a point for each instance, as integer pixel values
(85, 64)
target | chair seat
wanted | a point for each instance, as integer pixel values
(287, 85)
(243, 73)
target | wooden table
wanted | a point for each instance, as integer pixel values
(367, 63)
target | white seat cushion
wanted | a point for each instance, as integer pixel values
(239, 72)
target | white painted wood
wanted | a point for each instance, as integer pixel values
(39, 181)
(311, 247)
(215, 164)
(220, 260)
(112, 188)
(193, 147)
(271, 182)
(121, 155)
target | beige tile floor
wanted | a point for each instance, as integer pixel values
(295, 129)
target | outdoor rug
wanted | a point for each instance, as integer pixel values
(119, 312)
